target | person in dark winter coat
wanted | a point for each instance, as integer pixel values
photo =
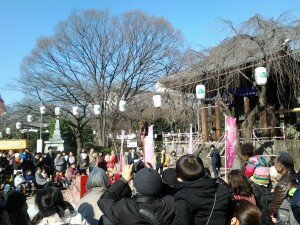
(4, 217)
(284, 165)
(200, 199)
(295, 205)
(169, 179)
(3, 162)
(215, 160)
(134, 210)
(132, 156)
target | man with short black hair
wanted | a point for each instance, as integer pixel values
(144, 208)
(284, 165)
(200, 199)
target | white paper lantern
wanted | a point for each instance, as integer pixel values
(57, 111)
(18, 125)
(75, 110)
(1, 135)
(94, 132)
(261, 76)
(43, 109)
(97, 109)
(157, 101)
(122, 105)
(200, 91)
(7, 131)
(29, 118)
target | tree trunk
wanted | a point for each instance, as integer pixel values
(263, 115)
(247, 125)
(246, 107)
(79, 143)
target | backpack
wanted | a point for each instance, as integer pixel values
(264, 198)
(149, 216)
(285, 213)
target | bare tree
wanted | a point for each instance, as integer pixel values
(97, 58)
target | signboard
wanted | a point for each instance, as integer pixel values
(13, 144)
(39, 145)
(132, 144)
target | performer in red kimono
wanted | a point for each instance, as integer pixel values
(112, 160)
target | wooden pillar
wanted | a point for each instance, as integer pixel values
(263, 115)
(204, 124)
(218, 122)
(246, 107)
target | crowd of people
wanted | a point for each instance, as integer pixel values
(183, 193)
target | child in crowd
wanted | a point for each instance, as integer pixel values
(29, 181)
(44, 174)
(71, 172)
(19, 181)
(262, 186)
(59, 180)
(63, 179)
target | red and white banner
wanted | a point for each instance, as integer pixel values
(230, 140)
(121, 162)
(149, 146)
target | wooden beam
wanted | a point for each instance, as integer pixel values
(218, 122)
(204, 124)
(246, 106)
(295, 110)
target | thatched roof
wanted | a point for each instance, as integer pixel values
(235, 53)
(232, 63)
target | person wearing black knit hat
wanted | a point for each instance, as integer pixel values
(169, 178)
(144, 208)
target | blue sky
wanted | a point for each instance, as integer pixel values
(23, 22)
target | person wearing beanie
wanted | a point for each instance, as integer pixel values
(144, 208)
(261, 185)
(169, 179)
(261, 176)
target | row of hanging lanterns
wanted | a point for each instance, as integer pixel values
(261, 77)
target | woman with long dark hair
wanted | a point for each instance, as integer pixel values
(240, 187)
(245, 213)
(54, 210)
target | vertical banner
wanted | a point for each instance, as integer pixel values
(39, 145)
(121, 162)
(149, 146)
(230, 140)
(190, 151)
